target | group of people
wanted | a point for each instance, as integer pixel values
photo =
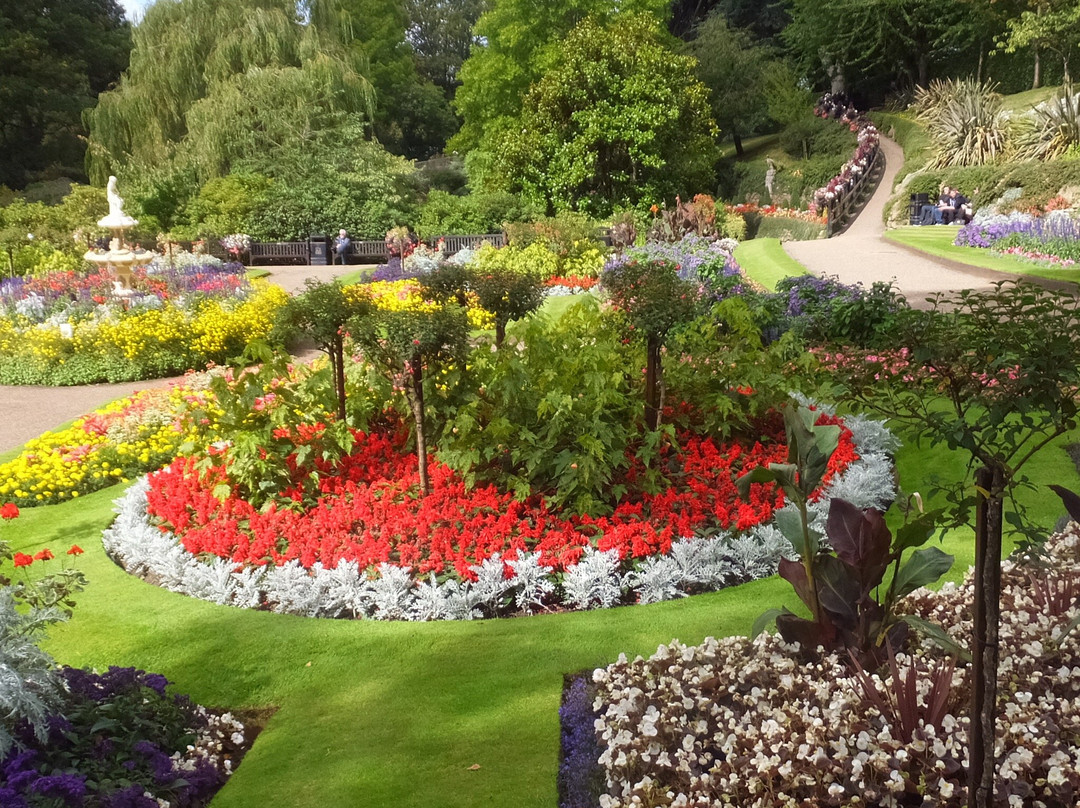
(952, 207)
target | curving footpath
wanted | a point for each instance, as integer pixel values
(861, 254)
(26, 412)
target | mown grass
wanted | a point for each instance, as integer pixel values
(938, 241)
(764, 260)
(396, 714)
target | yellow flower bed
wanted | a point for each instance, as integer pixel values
(170, 337)
(128, 437)
(405, 296)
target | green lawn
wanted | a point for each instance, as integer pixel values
(395, 714)
(764, 260)
(939, 241)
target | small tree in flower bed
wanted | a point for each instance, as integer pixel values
(1004, 365)
(654, 300)
(402, 344)
(507, 294)
(322, 314)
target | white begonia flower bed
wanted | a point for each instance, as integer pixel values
(600, 579)
(748, 723)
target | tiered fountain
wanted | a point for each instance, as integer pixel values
(119, 256)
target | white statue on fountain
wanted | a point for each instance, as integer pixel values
(116, 218)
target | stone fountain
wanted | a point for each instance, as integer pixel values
(119, 256)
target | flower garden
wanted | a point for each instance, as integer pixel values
(74, 328)
(585, 441)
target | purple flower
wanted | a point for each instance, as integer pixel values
(580, 776)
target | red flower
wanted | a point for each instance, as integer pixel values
(44, 555)
(22, 560)
(75, 550)
(9, 511)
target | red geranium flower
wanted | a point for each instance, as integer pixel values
(75, 550)
(44, 555)
(22, 560)
(9, 511)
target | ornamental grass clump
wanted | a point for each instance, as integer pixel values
(752, 723)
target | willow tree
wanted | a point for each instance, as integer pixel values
(205, 75)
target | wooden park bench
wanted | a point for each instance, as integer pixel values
(279, 252)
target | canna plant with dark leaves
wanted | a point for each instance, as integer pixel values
(842, 580)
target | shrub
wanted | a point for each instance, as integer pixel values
(964, 121)
(444, 214)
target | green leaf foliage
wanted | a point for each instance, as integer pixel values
(619, 119)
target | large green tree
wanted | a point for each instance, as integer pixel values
(412, 115)
(215, 78)
(889, 42)
(55, 58)
(441, 35)
(733, 67)
(618, 119)
(522, 40)
(1052, 25)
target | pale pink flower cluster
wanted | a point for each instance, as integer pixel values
(750, 723)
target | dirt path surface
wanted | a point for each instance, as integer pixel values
(26, 412)
(863, 255)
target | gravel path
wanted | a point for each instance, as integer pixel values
(26, 412)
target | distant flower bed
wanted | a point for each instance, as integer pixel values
(405, 295)
(75, 328)
(1053, 239)
(374, 548)
(751, 723)
(118, 740)
(773, 211)
(559, 285)
(129, 437)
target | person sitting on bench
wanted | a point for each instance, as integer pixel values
(341, 247)
(959, 210)
(934, 214)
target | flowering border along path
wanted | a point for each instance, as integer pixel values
(598, 579)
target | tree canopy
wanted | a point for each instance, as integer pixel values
(733, 67)
(522, 40)
(193, 65)
(618, 118)
(55, 58)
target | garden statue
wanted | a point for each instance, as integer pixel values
(770, 175)
(118, 256)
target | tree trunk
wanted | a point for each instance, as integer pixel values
(985, 654)
(653, 373)
(979, 68)
(416, 403)
(500, 332)
(923, 66)
(1036, 81)
(736, 138)
(337, 362)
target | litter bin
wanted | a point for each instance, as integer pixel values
(317, 249)
(915, 208)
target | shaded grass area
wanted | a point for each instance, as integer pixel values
(764, 260)
(753, 147)
(939, 241)
(382, 714)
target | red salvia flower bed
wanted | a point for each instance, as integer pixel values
(369, 510)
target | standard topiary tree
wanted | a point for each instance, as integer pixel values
(402, 345)
(654, 300)
(322, 313)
